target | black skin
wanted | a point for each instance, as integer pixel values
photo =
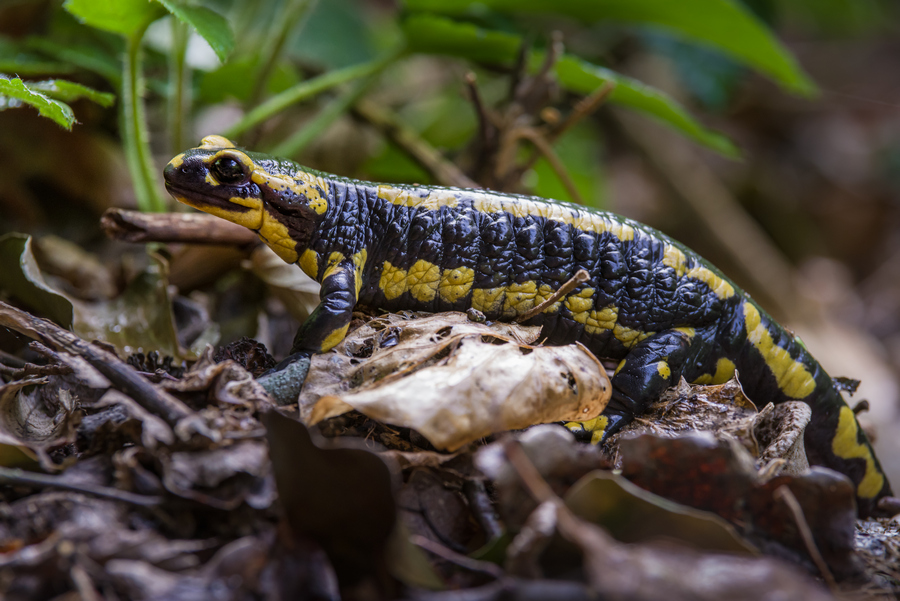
(669, 323)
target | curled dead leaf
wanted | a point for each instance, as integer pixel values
(455, 381)
(31, 423)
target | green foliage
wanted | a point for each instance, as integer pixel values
(276, 54)
(130, 18)
(723, 24)
(69, 91)
(211, 26)
(124, 17)
(439, 35)
(14, 93)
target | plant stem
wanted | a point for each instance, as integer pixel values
(410, 142)
(134, 126)
(179, 86)
(325, 118)
(307, 89)
(290, 16)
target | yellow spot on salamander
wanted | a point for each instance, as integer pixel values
(629, 337)
(580, 303)
(846, 445)
(662, 368)
(216, 142)
(333, 264)
(619, 366)
(523, 207)
(311, 187)
(456, 283)
(689, 332)
(309, 263)
(393, 282)
(488, 300)
(717, 284)
(333, 339)
(543, 293)
(600, 321)
(315, 189)
(276, 236)
(519, 298)
(596, 427)
(432, 201)
(423, 279)
(673, 257)
(793, 378)
(359, 264)
(176, 162)
(724, 371)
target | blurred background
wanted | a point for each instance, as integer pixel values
(767, 138)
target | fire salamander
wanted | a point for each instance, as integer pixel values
(652, 304)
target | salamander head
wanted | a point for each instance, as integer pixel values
(277, 199)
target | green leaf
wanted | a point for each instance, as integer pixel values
(581, 76)
(724, 24)
(210, 25)
(437, 35)
(16, 59)
(22, 278)
(14, 92)
(234, 79)
(140, 318)
(125, 17)
(67, 91)
(94, 58)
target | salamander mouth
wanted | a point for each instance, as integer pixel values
(202, 201)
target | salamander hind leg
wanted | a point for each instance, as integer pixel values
(651, 367)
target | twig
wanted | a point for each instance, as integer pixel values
(519, 67)
(585, 107)
(83, 583)
(120, 374)
(443, 171)
(474, 565)
(487, 131)
(188, 228)
(580, 277)
(889, 505)
(31, 369)
(543, 146)
(531, 478)
(483, 508)
(16, 476)
(784, 494)
(11, 360)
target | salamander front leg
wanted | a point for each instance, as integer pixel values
(651, 367)
(322, 330)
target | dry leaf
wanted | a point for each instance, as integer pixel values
(456, 381)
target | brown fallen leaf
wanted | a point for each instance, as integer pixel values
(719, 476)
(31, 423)
(456, 381)
(643, 571)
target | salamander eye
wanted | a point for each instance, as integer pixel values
(228, 170)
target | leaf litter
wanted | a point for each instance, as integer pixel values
(391, 477)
